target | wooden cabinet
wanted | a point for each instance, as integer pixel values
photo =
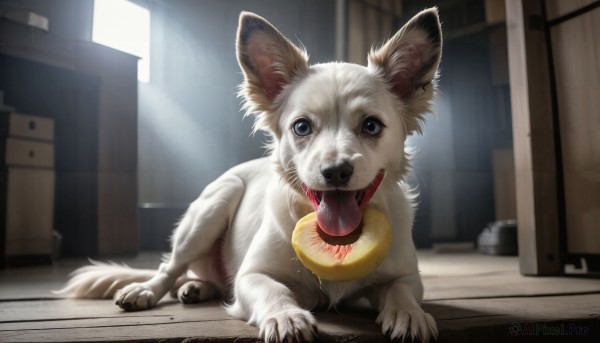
(554, 69)
(28, 185)
(575, 48)
(90, 92)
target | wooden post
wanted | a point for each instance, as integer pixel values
(533, 139)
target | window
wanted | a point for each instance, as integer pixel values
(125, 26)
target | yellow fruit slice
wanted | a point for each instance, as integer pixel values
(343, 258)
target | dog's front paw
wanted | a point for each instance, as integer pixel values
(135, 297)
(414, 324)
(290, 325)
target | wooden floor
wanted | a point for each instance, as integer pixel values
(474, 298)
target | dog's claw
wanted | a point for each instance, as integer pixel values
(411, 324)
(289, 326)
(127, 306)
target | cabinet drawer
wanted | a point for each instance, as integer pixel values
(29, 211)
(20, 152)
(22, 125)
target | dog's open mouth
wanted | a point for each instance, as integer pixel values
(339, 212)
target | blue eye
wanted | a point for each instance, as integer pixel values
(372, 127)
(302, 128)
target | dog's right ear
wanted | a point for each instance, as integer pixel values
(409, 62)
(269, 62)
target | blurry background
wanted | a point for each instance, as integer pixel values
(162, 139)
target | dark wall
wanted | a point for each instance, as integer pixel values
(191, 127)
(453, 165)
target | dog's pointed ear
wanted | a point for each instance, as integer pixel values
(268, 60)
(409, 62)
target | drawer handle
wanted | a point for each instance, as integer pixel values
(31, 154)
(32, 125)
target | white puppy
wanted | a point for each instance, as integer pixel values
(335, 128)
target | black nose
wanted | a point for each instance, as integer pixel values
(337, 174)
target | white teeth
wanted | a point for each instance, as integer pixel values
(359, 197)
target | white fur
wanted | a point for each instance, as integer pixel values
(247, 215)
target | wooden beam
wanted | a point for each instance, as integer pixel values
(533, 139)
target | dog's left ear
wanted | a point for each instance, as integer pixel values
(409, 62)
(269, 62)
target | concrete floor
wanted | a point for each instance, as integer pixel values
(472, 297)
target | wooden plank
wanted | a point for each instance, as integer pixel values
(13, 313)
(499, 55)
(468, 276)
(468, 313)
(557, 8)
(503, 284)
(117, 213)
(341, 33)
(88, 320)
(576, 49)
(357, 51)
(458, 320)
(505, 298)
(504, 184)
(117, 147)
(511, 319)
(369, 24)
(118, 107)
(533, 140)
(495, 11)
(133, 330)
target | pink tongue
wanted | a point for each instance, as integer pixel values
(338, 213)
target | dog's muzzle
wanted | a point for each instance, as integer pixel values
(340, 212)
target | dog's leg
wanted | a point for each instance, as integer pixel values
(204, 223)
(400, 314)
(260, 294)
(271, 306)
